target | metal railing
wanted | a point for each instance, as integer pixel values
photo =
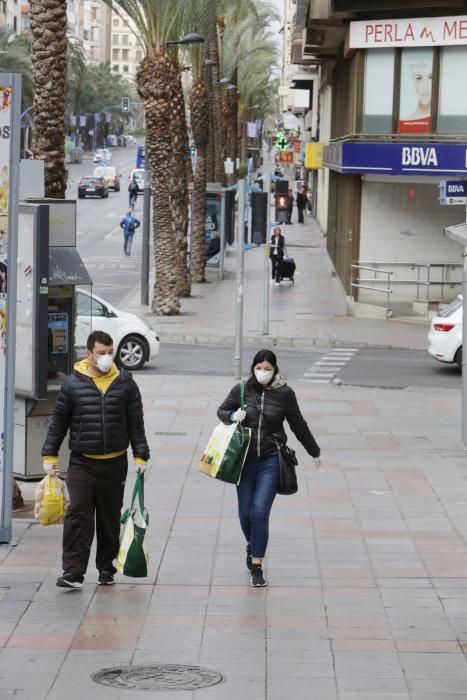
(427, 281)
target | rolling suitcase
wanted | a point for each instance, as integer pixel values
(287, 268)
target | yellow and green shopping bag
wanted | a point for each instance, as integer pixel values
(226, 450)
(132, 559)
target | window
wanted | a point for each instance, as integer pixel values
(115, 54)
(378, 92)
(415, 92)
(88, 306)
(139, 55)
(85, 35)
(125, 53)
(116, 39)
(115, 22)
(115, 68)
(452, 117)
(125, 69)
(94, 14)
(124, 39)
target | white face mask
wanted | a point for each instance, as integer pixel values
(264, 376)
(104, 363)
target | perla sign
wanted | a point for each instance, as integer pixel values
(418, 155)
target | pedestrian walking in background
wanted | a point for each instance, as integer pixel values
(132, 193)
(290, 203)
(101, 407)
(302, 200)
(269, 401)
(129, 224)
(276, 253)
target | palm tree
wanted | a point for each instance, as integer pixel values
(157, 21)
(201, 17)
(49, 63)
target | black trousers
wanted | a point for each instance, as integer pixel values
(289, 216)
(96, 489)
(275, 262)
(300, 215)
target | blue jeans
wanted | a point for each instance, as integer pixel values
(127, 241)
(256, 493)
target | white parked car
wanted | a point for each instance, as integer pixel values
(134, 342)
(445, 336)
(138, 175)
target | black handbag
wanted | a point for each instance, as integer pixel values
(288, 484)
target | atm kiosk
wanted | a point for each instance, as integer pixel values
(49, 270)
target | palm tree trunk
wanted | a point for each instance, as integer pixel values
(216, 110)
(179, 188)
(199, 217)
(199, 116)
(48, 22)
(156, 81)
(242, 137)
(211, 144)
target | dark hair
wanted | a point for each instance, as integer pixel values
(261, 356)
(98, 337)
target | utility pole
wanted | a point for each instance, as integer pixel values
(267, 185)
(239, 300)
(146, 230)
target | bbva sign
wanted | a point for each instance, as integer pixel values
(419, 155)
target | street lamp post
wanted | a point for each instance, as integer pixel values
(267, 184)
(239, 280)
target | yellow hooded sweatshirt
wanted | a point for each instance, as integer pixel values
(102, 384)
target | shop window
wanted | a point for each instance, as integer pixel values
(416, 82)
(379, 90)
(452, 116)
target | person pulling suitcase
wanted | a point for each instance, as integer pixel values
(276, 253)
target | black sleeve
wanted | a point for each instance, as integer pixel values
(137, 223)
(300, 427)
(60, 422)
(231, 403)
(135, 422)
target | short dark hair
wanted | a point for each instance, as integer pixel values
(261, 356)
(98, 337)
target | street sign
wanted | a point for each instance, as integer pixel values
(452, 192)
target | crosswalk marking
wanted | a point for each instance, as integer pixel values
(328, 367)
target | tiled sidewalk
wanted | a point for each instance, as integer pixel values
(367, 565)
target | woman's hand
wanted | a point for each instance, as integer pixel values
(238, 416)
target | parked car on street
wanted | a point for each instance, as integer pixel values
(92, 186)
(138, 175)
(109, 173)
(134, 342)
(102, 155)
(445, 336)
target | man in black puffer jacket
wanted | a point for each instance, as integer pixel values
(101, 407)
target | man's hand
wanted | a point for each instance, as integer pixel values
(141, 468)
(50, 469)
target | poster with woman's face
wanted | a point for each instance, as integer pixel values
(415, 95)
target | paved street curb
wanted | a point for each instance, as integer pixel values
(274, 341)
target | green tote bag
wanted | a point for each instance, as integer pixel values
(133, 557)
(225, 454)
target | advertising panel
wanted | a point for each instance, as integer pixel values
(415, 94)
(10, 101)
(421, 31)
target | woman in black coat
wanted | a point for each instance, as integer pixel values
(269, 400)
(276, 253)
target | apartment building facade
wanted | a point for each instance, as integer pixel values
(393, 117)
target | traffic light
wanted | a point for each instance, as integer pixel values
(282, 142)
(125, 104)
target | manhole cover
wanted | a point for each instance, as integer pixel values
(158, 677)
